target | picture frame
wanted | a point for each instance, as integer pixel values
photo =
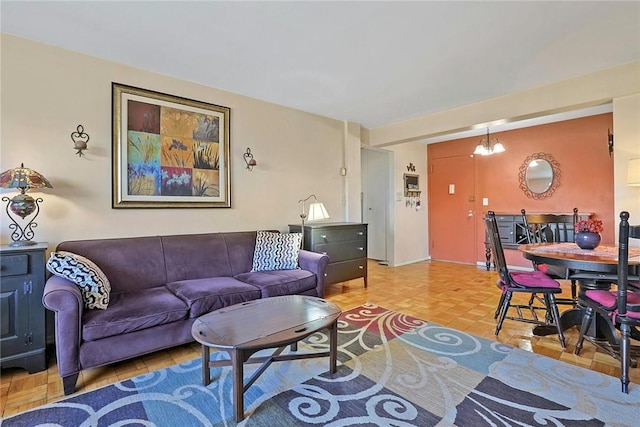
(168, 151)
(539, 176)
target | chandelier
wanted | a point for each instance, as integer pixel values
(489, 146)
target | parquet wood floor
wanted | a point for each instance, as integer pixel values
(460, 296)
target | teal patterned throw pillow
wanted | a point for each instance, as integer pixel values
(276, 251)
(93, 283)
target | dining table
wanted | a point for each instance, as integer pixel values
(593, 269)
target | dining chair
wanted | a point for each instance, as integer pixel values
(620, 307)
(552, 228)
(531, 282)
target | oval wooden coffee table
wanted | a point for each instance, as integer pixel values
(275, 322)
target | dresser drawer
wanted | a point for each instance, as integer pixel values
(345, 243)
(343, 251)
(345, 270)
(339, 234)
(14, 265)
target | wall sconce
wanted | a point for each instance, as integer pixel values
(22, 204)
(249, 160)
(80, 140)
(633, 173)
(610, 139)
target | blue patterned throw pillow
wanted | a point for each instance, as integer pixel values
(93, 283)
(276, 251)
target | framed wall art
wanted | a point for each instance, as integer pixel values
(168, 151)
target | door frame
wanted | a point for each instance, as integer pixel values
(472, 210)
(389, 200)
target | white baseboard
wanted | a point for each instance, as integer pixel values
(510, 267)
(400, 264)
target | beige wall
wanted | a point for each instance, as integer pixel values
(353, 174)
(47, 92)
(410, 225)
(626, 125)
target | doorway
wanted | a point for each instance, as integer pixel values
(376, 199)
(452, 213)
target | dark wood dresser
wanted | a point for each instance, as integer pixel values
(346, 245)
(22, 275)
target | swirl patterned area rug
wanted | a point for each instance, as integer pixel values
(395, 370)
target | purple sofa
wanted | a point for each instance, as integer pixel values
(159, 285)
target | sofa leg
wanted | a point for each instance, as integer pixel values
(69, 383)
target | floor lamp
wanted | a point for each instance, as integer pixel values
(317, 212)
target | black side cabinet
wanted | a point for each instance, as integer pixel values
(345, 243)
(22, 315)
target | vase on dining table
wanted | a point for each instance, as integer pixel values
(587, 239)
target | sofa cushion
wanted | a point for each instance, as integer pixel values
(130, 263)
(276, 251)
(133, 311)
(240, 245)
(196, 256)
(205, 295)
(280, 282)
(94, 285)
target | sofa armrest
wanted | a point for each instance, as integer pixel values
(316, 263)
(64, 298)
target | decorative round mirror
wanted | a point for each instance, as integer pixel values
(539, 176)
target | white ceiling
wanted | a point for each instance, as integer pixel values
(372, 63)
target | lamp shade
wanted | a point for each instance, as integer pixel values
(23, 178)
(498, 148)
(317, 212)
(481, 150)
(633, 173)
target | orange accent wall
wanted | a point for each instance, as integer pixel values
(586, 180)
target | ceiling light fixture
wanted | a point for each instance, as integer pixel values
(484, 148)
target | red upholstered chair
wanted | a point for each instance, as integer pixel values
(548, 228)
(529, 282)
(620, 307)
